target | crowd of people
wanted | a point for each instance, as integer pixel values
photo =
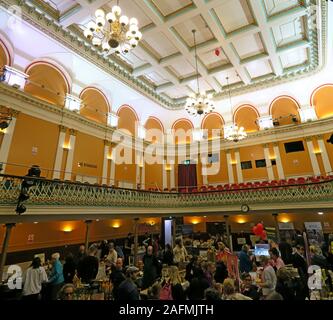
(172, 273)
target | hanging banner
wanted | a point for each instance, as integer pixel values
(314, 233)
(287, 231)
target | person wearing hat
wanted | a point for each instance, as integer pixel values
(127, 290)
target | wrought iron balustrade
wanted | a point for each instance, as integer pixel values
(59, 193)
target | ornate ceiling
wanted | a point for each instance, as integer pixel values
(260, 42)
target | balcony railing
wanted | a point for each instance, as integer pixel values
(72, 194)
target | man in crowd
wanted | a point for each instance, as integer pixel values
(88, 266)
(56, 279)
(151, 268)
(245, 263)
(128, 290)
(117, 277)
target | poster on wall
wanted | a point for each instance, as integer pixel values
(314, 233)
(287, 231)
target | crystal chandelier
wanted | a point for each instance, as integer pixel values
(234, 133)
(200, 102)
(113, 32)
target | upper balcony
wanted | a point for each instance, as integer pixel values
(48, 198)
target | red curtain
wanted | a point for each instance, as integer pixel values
(187, 176)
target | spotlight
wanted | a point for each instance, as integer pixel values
(330, 140)
(276, 123)
(294, 119)
(20, 208)
(4, 125)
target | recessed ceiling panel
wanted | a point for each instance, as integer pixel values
(221, 77)
(156, 78)
(249, 46)
(234, 15)
(259, 68)
(181, 68)
(168, 7)
(160, 45)
(274, 7)
(212, 60)
(289, 32)
(61, 5)
(203, 32)
(177, 92)
(294, 58)
(204, 86)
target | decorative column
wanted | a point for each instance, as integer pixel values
(7, 139)
(313, 157)
(278, 161)
(60, 152)
(4, 249)
(136, 240)
(277, 229)
(113, 165)
(324, 155)
(70, 156)
(229, 167)
(226, 218)
(164, 175)
(105, 162)
(269, 167)
(172, 176)
(238, 167)
(143, 174)
(86, 241)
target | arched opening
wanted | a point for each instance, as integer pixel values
(95, 105)
(47, 82)
(127, 119)
(154, 130)
(246, 116)
(213, 121)
(4, 55)
(284, 111)
(182, 131)
(322, 99)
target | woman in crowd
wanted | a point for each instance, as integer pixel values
(175, 280)
(66, 292)
(222, 253)
(112, 256)
(33, 279)
(248, 288)
(276, 261)
(230, 293)
(268, 277)
(179, 252)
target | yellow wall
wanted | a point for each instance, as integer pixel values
(322, 101)
(51, 234)
(45, 82)
(89, 151)
(222, 176)
(3, 57)
(212, 121)
(246, 117)
(283, 107)
(32, 133)
(94, 106)
(295, 163)
(252, 154)
(329, 148)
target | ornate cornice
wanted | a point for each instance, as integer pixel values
(46, 22)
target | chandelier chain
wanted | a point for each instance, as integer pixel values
(196, 60)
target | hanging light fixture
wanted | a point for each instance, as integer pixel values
(113, 31)
(200, 102)
(234, 133)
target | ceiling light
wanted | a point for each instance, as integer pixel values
(113, 32)
(320, 213)
(199, 102)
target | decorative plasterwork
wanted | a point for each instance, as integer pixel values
(47, 22)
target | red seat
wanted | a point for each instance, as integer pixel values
(249, 185)
(282, 182)
(227, 186)
(257, 184)
(264, 184)
(234, 186)
(182, 190)
(219, 187)
(301, 180)
(273, 183)
(166, 190)
(203, 188)
(194, 190)
(173, 190)
(291, 181)
(211, 188)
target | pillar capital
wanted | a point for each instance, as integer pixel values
(62, 128)
(308, 139)
(14, 113)
(107, 143)
(88, 221)
(72, 132)
(10, 225)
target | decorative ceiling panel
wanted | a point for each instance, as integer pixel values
(234, 15)
(167, 7)
(249, 46)
(279, 36)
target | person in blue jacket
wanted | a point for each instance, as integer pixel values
(56, 279)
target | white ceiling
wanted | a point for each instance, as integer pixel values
(255, 39)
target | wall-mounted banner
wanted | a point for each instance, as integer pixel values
(314, 232)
